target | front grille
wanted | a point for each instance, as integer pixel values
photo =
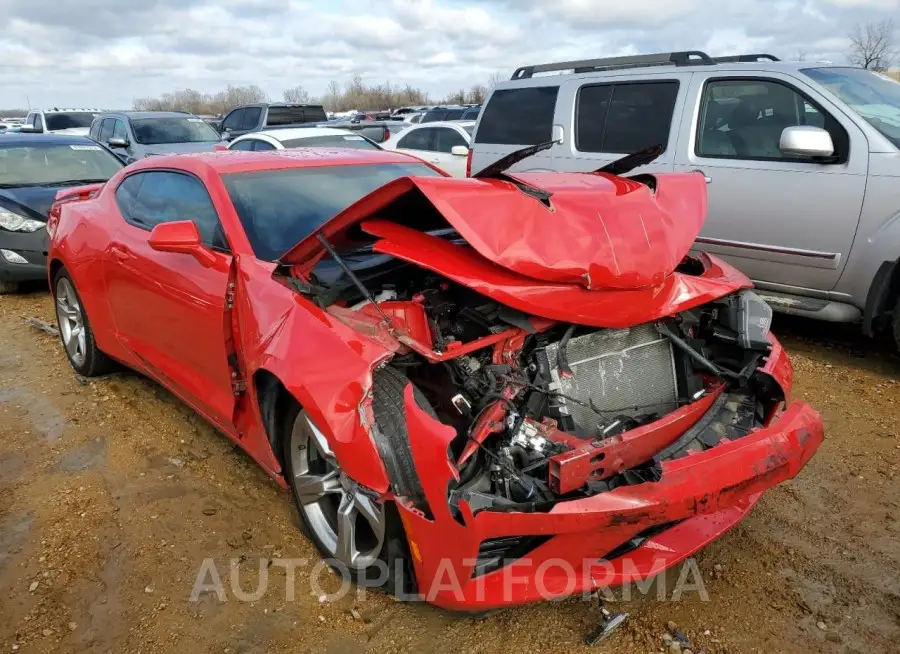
(622, 372)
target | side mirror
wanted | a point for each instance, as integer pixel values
(118, 142)
(459, 151)
(806, 141)
(181, 237)
(220, 147)
(30, 129)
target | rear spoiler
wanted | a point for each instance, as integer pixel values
(70, 195)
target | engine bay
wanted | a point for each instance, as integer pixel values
(537, 404)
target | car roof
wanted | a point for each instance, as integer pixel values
(57, 110)
(299, 133)
(244, 161)
(18, 138)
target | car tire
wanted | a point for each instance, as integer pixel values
(75, 331)
(8, 288)
(392, 437)
(328, 501)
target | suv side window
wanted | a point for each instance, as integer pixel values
(744, 119)
(519, 116)
(624, 117)
(251, 118)
(446, 138)
(38, 122)
(106, 130)
(233, 120)
(95, 130)
(154, 197)
(419, 139)
(119, 131)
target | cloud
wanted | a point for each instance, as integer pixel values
(107, 52)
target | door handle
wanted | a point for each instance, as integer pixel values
(706, 178)
(121, 254)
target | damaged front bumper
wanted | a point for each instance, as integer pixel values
(491, 559)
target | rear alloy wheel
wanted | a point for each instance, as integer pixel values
(352, 530)
(75, 330)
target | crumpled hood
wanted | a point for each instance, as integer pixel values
(600, 231)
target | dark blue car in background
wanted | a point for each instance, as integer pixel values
(33, 167)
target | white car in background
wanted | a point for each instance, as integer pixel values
(446, 145)
(72, 122)
(302, 137)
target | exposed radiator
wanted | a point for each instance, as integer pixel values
(617, 370)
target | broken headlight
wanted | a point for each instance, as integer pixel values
(750, 317)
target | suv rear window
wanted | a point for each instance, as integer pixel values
(519, 116)
(626, 117)
(295, 115)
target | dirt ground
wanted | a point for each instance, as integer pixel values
(113, 493)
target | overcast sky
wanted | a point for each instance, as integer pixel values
(104, 53)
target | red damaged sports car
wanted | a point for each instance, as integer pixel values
(456, 377)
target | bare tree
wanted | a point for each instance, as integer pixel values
(873, 45)
(495, 78)
(477, 94)
(801, 55)
(296, 94)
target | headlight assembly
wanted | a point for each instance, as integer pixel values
(13, 222)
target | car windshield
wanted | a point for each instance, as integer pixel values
(336, 141)
(53, 164)
(175, 129)
(279, 208)
(69, 120)
(873, 96)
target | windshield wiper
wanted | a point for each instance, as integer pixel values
(631, 161)
(503, 164)
(67, 182)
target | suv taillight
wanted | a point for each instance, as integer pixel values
(469, 163)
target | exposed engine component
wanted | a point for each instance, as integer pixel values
(613, 373)
(538, 392)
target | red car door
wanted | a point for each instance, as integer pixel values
(169, 309)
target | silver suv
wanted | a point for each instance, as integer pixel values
(802, 162)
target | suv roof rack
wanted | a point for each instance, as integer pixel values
(746, 58)
(684, 58)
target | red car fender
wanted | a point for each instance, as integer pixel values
(287, 335)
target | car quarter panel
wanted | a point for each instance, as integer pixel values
(79, 243)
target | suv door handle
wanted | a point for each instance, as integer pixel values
(706, 178)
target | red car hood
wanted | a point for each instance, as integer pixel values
(601, 231)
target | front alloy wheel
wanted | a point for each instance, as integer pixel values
(347, 523)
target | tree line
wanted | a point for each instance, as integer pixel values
(354, 94)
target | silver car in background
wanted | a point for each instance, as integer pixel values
(802, 162)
